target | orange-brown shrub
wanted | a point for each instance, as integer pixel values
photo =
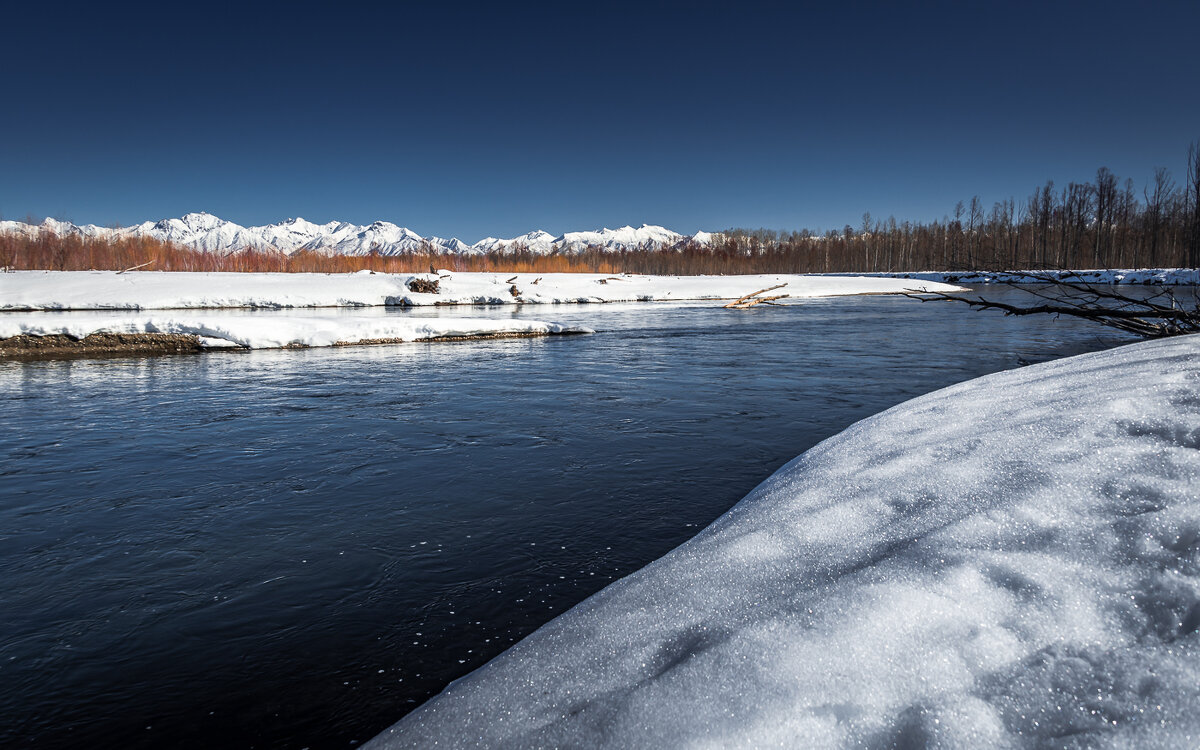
(77, 253)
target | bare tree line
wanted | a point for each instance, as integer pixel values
(1106, 223)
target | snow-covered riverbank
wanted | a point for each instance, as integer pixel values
(1013, 561)
(109, 290)
(1144, 276)
(274, 331)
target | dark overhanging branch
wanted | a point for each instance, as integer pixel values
(1148, 318)
(1059, 286)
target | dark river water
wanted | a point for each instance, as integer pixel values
(295, 548)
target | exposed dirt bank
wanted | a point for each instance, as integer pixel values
(61, 346)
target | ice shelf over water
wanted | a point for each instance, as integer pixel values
(1010, 562)
(274, 331)
(91, 290)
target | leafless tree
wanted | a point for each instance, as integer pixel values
(1193, 201)
(1167, 311)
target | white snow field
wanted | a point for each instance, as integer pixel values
(1010, 562)
(111, 290)
(275, 331)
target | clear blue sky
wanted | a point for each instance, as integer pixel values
(458, 120)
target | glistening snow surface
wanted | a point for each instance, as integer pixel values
(274, 331)
(90, 290)
(1010, 562)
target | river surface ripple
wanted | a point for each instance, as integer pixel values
(294, 548)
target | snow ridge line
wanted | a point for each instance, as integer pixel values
(208, 233)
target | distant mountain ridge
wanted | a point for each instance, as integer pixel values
(208, 233)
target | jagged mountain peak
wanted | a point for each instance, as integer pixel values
(202, 220)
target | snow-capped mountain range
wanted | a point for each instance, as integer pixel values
(205, 232)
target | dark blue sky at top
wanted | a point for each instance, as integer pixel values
(464, 120)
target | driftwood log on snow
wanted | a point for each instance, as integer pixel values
(752, 299)
(134, 268)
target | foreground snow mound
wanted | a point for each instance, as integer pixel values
(272, 332)
(151, 290)
(1010, 562)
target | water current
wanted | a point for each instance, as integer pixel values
(295, 548)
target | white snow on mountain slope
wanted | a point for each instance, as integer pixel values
(54, 226)
(18, 227)
(1012, 562)
(205, 232)
(538, 242)
(273, 332)
(451, 245)
(138, 290)
(291, 235)
(65, 227)
(382, 237)
(646, 237)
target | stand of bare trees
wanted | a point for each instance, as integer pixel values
(1106, 223)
